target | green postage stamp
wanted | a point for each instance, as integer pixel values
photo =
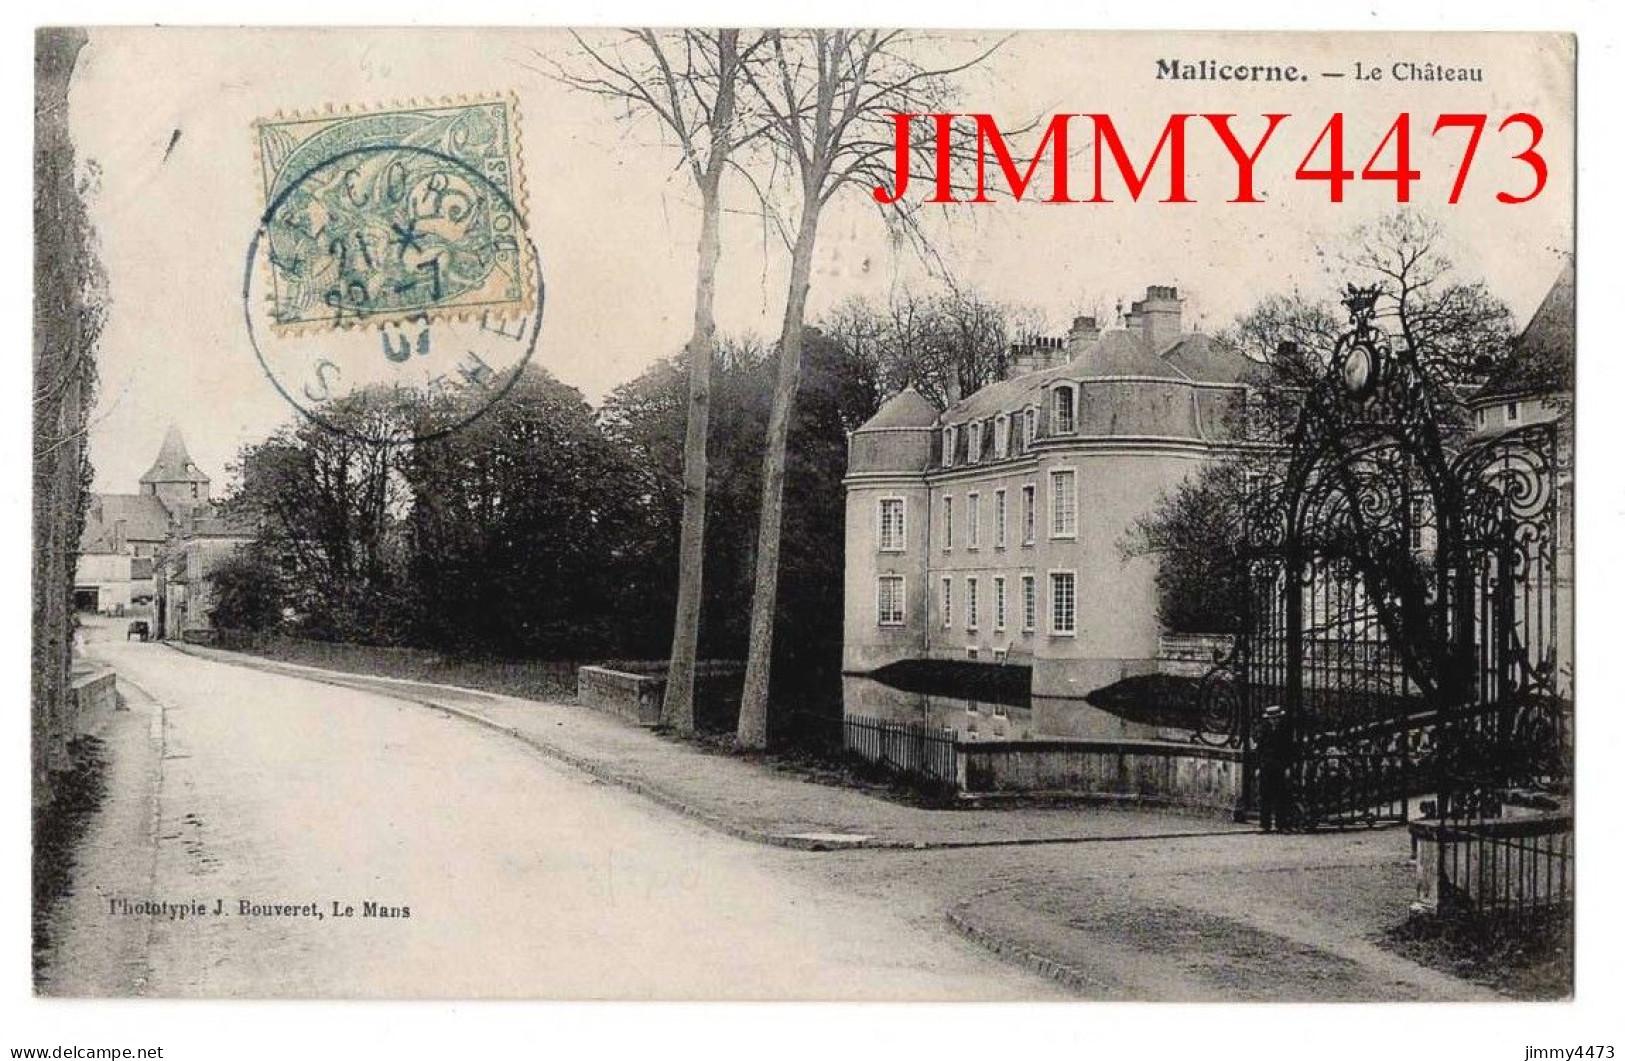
(409, 213)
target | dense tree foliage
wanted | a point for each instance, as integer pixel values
(70, 300)
(328, 506)
(545, 529)
(1198, 533)
(247, 591)
(837, 394)
(532, 533)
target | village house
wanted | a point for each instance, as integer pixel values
(147, 555)
(994, 531)
(117, 553)
(186, 591)
(124, 533)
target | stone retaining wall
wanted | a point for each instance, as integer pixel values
(1158, 773)
(634, 697)
(1190, 655)
(92, 698)
(634, 689)
(1521, 863)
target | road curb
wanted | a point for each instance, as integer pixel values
(159, 734)
(90, 954)
(1007, 950)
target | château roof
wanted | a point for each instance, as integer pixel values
(1206, 360)
(1114, 354)
(1006, 396)
(907, 408)
(1542, 357)
(174, 464)
(1119, 353)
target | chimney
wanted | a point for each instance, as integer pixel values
(1018, 362)
(1156, 316)
(1085, 330)
(1035, 355)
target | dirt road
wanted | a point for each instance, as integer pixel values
(337, 843)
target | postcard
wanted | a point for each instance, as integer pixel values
(838, 514)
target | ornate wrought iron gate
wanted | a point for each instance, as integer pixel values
(1407, 604)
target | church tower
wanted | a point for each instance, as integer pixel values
(174, 479)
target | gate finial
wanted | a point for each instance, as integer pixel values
(1361, 303)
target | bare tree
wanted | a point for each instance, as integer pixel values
(1458, 329)
(946, 344)
(977, 334)
(687, 81)
(828, 97)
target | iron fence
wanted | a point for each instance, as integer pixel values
(912, 749)
(1404, 611)
(1339, 789)
(1507, 868)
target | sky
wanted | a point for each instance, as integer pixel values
(163, 125)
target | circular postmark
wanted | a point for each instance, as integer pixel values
(391, 292)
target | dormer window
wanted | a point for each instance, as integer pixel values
(948, 447)
(973, 442)
(1029, 420)
(1065, 418)
(1001, 437)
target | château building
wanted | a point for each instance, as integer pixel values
(995, 530)
(1535, 383)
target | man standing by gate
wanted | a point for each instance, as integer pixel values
(1274, 751)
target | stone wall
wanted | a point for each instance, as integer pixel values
(1157, 773)
(1512, 864)
(1190, 655)
(92, 698)
(634, 690)
(634, 697)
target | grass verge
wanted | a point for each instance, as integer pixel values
(831, 766)
(1531, 959)
(58, 829)
(530, 679)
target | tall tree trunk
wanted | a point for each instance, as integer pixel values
(677, 708)
(65, 286)
(752, 733)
